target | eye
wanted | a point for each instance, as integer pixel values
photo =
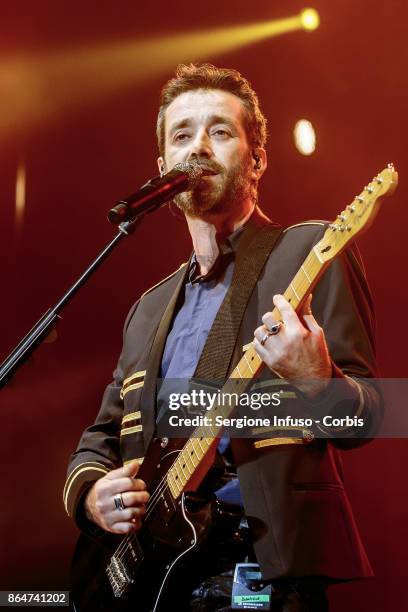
(221, 132)
(180, 137)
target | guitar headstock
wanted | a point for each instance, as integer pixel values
(357, 216)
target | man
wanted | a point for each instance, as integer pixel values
(302, 531)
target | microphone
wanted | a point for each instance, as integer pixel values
(156, 192)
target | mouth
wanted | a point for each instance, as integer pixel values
(208, 171)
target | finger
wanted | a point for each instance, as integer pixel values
(128, 514)
(288, 315)
(262, 337)
(121, 485)
(264, 351)
(130, 470)
(265, 355)
(135, 499)
(126, 527)
(269, 320)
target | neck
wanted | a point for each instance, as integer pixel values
(206, 230)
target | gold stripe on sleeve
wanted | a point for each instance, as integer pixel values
(276, 441)
(126, 390)
(92, 466)
(131, 416)
(129, 430)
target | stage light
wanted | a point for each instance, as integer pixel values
(42, 85)
(310, 19)
(20, 195)
(305, 137)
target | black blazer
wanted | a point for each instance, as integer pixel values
(293, 491)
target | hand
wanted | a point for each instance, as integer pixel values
(100, 506)
(299, 350)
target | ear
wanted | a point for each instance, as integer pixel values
(161, 165)
(260, 163)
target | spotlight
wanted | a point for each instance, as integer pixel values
(305, 137)
(20, 195)
(310, 19)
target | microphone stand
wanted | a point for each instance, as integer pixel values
(44, 326)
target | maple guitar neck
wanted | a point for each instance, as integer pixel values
(352, 221)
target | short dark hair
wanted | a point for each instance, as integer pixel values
(190, 77)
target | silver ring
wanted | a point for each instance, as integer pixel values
(274, 329)
(118, 499)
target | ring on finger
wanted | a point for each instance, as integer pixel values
(118, 500)
(275, 328)
(271, 331)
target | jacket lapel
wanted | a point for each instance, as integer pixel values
(148, 398)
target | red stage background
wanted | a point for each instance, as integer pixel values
(349, 77)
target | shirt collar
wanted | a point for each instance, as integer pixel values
(227, 250)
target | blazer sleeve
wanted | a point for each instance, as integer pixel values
(343, 306)
(98, 450)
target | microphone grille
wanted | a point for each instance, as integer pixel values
(193, 170)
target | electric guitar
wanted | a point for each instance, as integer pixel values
(116, 573)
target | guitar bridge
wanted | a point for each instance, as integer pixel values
(119, 577)
(122, 567)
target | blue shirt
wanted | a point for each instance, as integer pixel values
(203, 296)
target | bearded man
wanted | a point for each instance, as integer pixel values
(295, 520)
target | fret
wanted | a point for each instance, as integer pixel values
(200, 445)
(188, 461)
(173, 485)
(180, 476)
(183, 458)
(238, 370)
(192, 456)
(248, 363)
(302, 267)
(294, 291)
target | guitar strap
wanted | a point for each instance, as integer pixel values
(254, 248)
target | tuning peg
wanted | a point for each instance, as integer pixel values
(379, 179)
(333, 226)
(341, 217)
(359, 198)
(369, 189)
(351, 208)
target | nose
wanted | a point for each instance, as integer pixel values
(201, 145)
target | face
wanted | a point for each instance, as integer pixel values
(208, 126)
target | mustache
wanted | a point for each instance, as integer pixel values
(207, 164)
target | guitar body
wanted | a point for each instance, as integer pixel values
(140, 565)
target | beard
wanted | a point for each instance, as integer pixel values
(236, 186)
